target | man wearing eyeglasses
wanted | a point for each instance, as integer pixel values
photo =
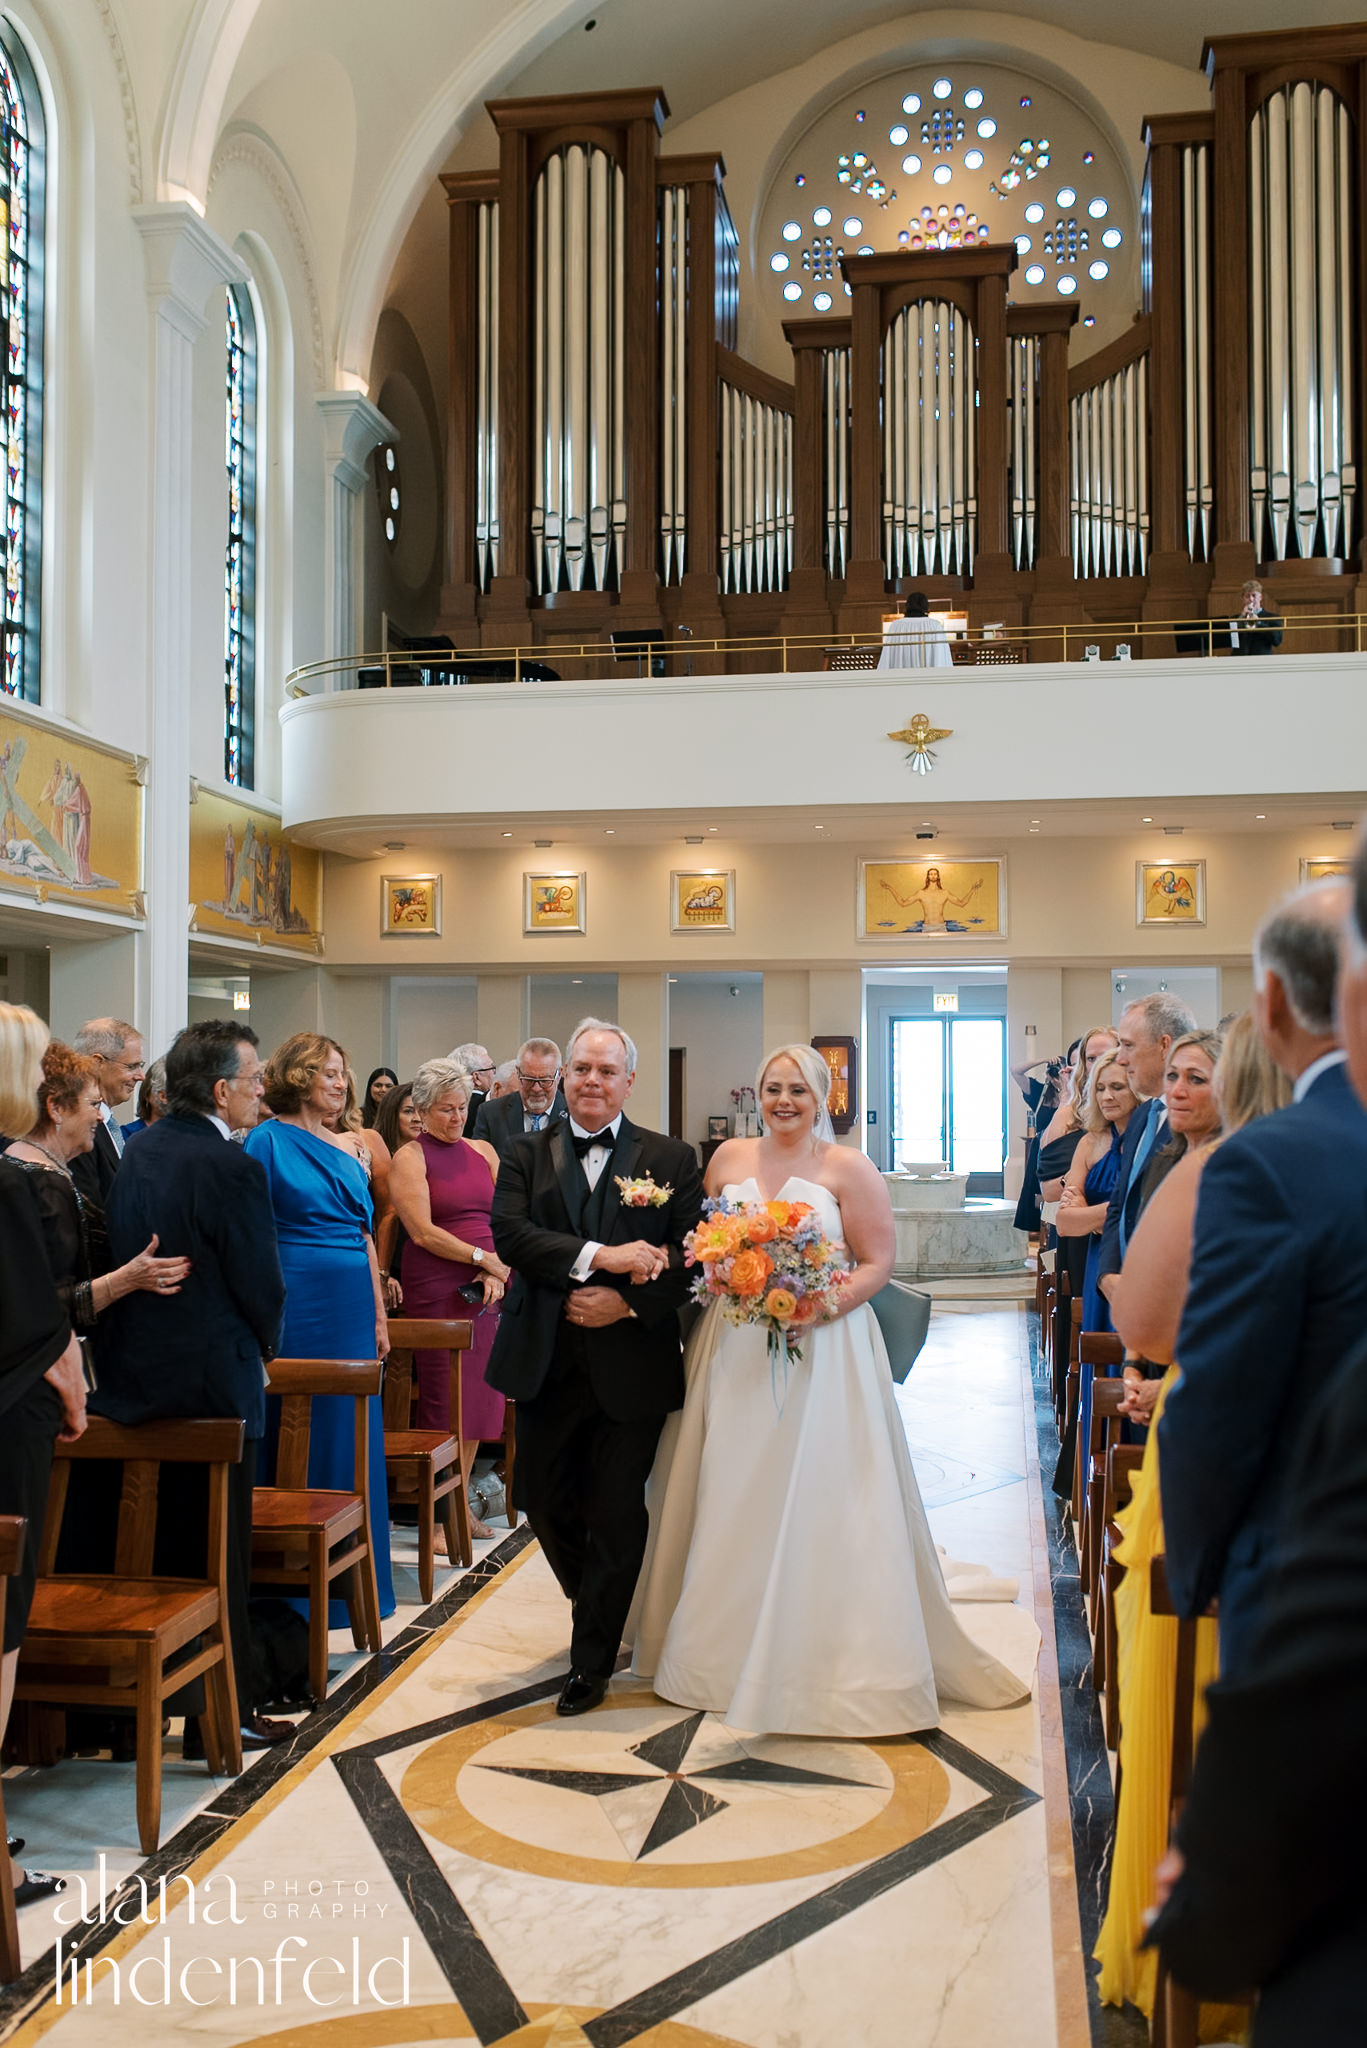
(534, 1102)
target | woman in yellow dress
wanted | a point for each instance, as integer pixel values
(1147, 1306)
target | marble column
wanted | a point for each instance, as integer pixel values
(643, 1010)
(186, 261)
(352, 426)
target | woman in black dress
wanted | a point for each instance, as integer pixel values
(42, 1384)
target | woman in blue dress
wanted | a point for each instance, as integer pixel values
(334, 1307)
(1087, 1192)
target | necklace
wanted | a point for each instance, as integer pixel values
(60, 1164)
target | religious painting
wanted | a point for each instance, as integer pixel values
(1325, 870)
(702, 900)
(842, 1098)
(932, 899)
(248, 879)
(553, 903)
(70, 817)
(1170, 892)
(410, 906)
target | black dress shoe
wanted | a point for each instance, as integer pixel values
(581, 1693)
(37, 1885)
(14, 1843)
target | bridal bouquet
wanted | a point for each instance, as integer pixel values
(768, 1263)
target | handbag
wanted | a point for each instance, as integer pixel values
(903, 1317)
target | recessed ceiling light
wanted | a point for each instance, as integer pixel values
(673, 977)
(1260, 816)
(1146, 821)
(609, 831)
(507, 835)
(714, 828)
(576, 981)
(1034, 821)
(1034, 828)
(818, 828)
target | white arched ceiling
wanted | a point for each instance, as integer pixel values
(209, 50)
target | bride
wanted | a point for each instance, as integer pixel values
(747, 1608)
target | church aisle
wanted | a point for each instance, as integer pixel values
(448, 1861)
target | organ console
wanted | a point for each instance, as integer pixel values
(615, 465)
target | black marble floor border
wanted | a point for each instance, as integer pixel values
(1090, 1795)
(240, 1795)
(480, 1988)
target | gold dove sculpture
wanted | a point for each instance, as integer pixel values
(917, 737)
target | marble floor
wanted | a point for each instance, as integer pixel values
(437, 1857)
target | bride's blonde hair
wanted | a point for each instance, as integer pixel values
(814, 1072)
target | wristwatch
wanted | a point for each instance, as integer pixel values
(477, 1254)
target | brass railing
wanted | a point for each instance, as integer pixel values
(805, 653)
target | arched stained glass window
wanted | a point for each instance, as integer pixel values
(21, 308)
(239, 569)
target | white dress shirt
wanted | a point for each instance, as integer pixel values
(593, 1162)
(1307, 1080)
(219, 1125)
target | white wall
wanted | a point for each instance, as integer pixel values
(721, 1034)
(428, 1015)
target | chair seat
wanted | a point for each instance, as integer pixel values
(98, 1608)
(420, 1443)
(277, 1510)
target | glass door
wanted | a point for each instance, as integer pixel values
(949, 1096)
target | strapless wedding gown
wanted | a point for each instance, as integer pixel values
(755, 1603)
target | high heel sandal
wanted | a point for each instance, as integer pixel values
(37, 1885)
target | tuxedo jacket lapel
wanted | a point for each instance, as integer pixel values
(569, 1173)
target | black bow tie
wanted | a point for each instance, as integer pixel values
(582, 1144)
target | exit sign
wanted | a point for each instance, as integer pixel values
(945, 999)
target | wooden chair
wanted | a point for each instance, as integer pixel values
(127, 1638)
(1066, 1362)
(304, 1537)
(428, 1468)
(1098, 1353)
(13, 1529)
(1122, 1462)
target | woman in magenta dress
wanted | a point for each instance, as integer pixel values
(443, 1188)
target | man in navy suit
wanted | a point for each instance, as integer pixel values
(533, 1103)
(1278, 1292)
(1147, 1031)
(1270, 1893)
(200, 1352)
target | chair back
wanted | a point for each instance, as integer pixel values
(142, 1450)
(1100, 1349)
(296, 1381)
(12, 1531)
(408, 1334)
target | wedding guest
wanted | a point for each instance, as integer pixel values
(1108, 1106)
(334, 1303)
(42, 1380)
(397, 1123)
(1278, 1290)
(1266, 1882)
(118, 1049)
(533, 1102)
(915, 640)
(1149, 1295)
(200, 1352)
(370, 1148)
(505, 1077)
(151, 1100)
(443, 1188)
(477, 1063)
(1148, 1029)
(376, 1089)
(1060, 1135)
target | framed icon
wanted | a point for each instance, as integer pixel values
(842, 1099)
(410, 906)
(718, 1127)
(1323, 870)
(1170, 892)
(931, 899)
(554, 903)
(702, 900)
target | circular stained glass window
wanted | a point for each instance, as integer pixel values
(792, 291)
(912, 103)
(1035, 274)
(791, 231)
(1098, 269)
(974, 160)
(1112, 239)
(1023, 245)
(898, 135)
(389, 529)
(822, 217)
(779, 262)
(822, 302)
(867, 250)
(1067, 285)
(854, 226)
(973, 98)
(986, 128)
(942, 88)
(942, 174)
(911, 165)
(1098, 208)
(1066, 196)
(1032, 213)
(389, 461)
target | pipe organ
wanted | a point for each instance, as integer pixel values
(613, 459)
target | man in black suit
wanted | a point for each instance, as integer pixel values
(1147, 1031)
(118, 1048)
(588, 1342)
(1269, 1892)
(1255, 631)
(200, 1352)
(529, 1106)
(475, 1059)
(1278, 1290)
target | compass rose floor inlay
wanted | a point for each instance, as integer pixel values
(449, 1861)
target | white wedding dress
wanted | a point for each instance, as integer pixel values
(754, 1602)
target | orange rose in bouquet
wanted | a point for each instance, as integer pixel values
(768, 1264)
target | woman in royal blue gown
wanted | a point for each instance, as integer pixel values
(1087, 1192)
(333, 1304)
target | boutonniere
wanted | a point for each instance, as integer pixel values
(642, 1194)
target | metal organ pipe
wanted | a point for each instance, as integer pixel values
(673, 380)
(486, 394)
(1198, 481)
(1109, 493)
(928, 397)
(836, 422)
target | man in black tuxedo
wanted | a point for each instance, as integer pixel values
(1147, 1031)
(1268, 1887)
(1278, 1289)
(118, 1048)
(588, 1342)
(200, 1352)
(475, 1059)
(535, 1102)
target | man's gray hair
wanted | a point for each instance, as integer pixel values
(602, 1024)
(472, 1054)
(544, 1048)
(103, 1038)
(436, 1078)
(1300, 943)
(1165, 1015)
(503, 1073)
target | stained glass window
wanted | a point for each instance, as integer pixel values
(239, 571)
(21, 307)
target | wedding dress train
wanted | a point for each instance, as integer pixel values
(752, 1604)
